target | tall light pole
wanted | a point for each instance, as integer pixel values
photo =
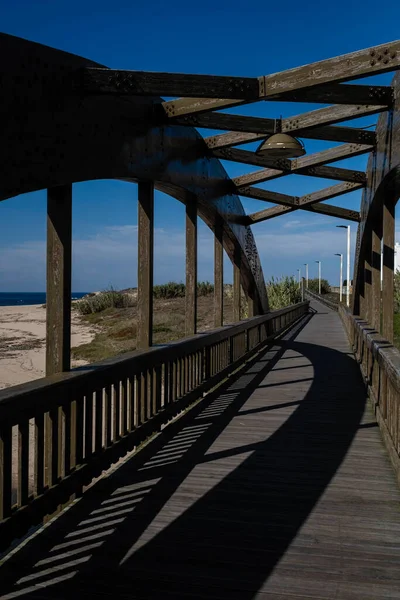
(306, 266)
(348, 261)
(341, 275)
(319, 276)
(299, 272)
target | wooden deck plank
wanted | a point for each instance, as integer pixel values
(279, 487)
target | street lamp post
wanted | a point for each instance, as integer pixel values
(348, 261)
(299, 272)
(306, 266)
(341, 275)
(319, 276)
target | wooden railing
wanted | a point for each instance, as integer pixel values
(379, 361)
(59, 433)
(313, 296)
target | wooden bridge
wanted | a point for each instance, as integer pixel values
(260, 459)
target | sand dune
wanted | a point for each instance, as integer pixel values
(22, 342)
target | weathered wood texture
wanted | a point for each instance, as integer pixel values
(58, 291)
(191, 269)
(277, 486)
(236, 288)
(145, 264)
(329, 133)
(218, 276)
(388, 269)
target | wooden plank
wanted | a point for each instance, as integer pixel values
(191, 268)
(324, 209)
(236, 286)
(5, 472)
(268, 196)
(218, 275)
(328, 116)
(376, 278)
(331, 133)
(354, 65)
(388, 268)
(145, 263)
(309, 165)
(337, 93)
(188, 106)
(291, 166)
(143, 83)
(330, 192)
(324, 172)
(58, 287)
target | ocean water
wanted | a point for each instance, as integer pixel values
(24, 298)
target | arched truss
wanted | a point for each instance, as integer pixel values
(68, 119)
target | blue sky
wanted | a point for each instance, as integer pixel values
(227, 38)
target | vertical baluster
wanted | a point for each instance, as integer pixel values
(5, 471)
(23, 462)
(108, 415)
(166, 382)
(39, 450)
(67, 439)
(142, 397)
(98, 435)
(117, 412)
(89, 426)
(80, 406)
(157, 389)
(53, 421)
(123, 405)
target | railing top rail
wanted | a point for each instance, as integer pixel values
(97, 375)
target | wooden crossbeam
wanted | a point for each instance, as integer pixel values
(323, 209)
(342, 93)
(284, 164)
(354, 65)
(330, 192)
(311, 202)
(324, 172)
(329, 133)
(143, 83)
(328, 116)
(268, 196)
(300, 124)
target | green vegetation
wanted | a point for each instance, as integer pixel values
(95, 303)
(177, 290)
(283, 292)
(313, 286)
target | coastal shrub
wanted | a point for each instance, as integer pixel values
(99, 302)
(397, 292)
(283, 292)
(177, 290)
(313, 286)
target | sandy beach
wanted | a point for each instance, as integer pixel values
(22, 342)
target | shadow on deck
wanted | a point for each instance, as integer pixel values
(278, 487)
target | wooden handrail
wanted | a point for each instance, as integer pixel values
(76, 424)
(379, 361)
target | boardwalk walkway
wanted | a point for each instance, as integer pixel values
(278, 488)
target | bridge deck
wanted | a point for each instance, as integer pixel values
(279, 488)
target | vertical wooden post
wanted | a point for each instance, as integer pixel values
(218, 275)
(367, 304)
(388, 269)
(236, 286)
(375, 312)
(58, 292)
(191, 268)
(145, 263)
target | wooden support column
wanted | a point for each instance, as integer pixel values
(388, 269)
(367, 303)
(236, 286)
(191, 268)
(58, 288)
(218, 275)
(145, 263)
(375, 312)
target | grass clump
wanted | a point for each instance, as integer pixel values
(96, 303)
(170, 290)
(313, 286)
(283, 292)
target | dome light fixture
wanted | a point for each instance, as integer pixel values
(281, 145)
